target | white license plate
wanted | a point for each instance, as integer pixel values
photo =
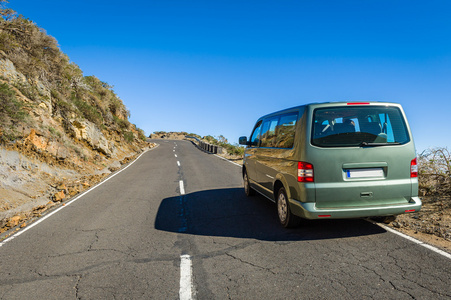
(365, 173)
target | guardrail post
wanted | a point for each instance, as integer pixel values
(206, 146)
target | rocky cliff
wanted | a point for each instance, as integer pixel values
(60, 131)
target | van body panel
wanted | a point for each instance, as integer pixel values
(310, 211)
(336, 188)
(273, 163)
(361, 156)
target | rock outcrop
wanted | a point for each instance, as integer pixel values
(88, 132)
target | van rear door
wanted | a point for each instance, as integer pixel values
(362, 156)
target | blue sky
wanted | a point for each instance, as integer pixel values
(214, 67)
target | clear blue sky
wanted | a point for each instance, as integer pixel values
(214, 67)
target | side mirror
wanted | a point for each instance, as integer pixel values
(242, 140)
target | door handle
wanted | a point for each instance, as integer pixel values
(366, 194)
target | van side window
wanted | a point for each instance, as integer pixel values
(285, 131)
(256, 135)
(268, 135)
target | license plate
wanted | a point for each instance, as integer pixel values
(365, 173)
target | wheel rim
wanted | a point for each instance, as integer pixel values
(282, 207)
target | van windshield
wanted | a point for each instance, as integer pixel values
(358, 126)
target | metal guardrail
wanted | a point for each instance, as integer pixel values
(206, 146)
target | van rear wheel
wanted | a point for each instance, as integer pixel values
(247, 187)
(286, 218)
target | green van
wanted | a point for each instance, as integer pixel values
(333, 160)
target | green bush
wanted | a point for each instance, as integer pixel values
(10, 108)
(123, 124)
(63, 105)
(141, 134)
(128, 136)
(88, 111)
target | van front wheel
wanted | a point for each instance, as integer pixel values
(286, 218)
(247, 187)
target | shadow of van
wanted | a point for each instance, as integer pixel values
(229, 213)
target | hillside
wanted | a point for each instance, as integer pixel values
(60, 131)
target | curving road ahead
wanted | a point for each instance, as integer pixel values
(176, 224)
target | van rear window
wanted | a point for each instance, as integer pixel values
(358, 126)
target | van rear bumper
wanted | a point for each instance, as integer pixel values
(310, 211)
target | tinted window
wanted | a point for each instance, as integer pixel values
(279, 132)
(351, 126)
(268, 135)
(256, 134)
(285, 131)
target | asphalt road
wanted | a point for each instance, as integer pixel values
(176, 224)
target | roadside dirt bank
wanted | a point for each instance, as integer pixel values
(432, 224)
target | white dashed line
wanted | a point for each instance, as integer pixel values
(175, 155)
(186, 283)
(182, 188)
(178, 163)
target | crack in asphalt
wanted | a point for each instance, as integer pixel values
(88, 270)
(77, 287)
(251, 264)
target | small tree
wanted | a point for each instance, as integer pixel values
(6, 13)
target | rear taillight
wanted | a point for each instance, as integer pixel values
(413, 168)
(305, 172)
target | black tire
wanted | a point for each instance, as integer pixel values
(247, 187)
(286, 218)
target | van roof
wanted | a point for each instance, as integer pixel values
(328, 104)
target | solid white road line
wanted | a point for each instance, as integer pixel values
(436, 250)
(186, 284)
(182, 188)
(227, 160)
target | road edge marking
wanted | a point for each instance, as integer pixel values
(228, 160)
(25, 229)
(414, 240)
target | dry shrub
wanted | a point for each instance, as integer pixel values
(435, 171)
